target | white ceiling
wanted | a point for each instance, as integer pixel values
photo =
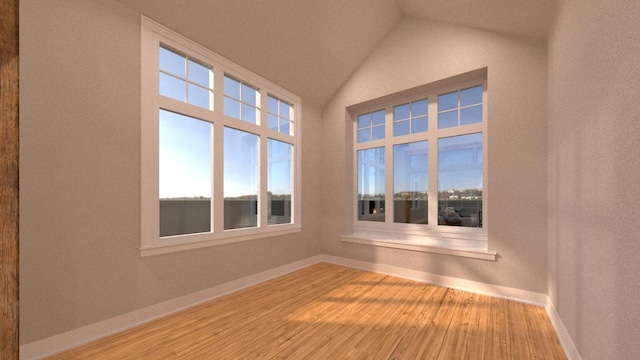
(311, 47)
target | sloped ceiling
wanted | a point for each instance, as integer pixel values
(311, 47)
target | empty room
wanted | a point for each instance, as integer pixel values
(299, 179)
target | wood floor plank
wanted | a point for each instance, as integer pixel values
(327, 312)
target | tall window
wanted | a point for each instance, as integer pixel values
(216, 168)
(427, 172)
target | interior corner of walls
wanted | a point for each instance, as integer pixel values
(570, 349)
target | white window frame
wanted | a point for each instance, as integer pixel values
(153, 35)
(431, 237)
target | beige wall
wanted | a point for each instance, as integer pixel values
(593, 175)
(80, 178)
(418, 52)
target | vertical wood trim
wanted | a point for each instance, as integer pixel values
(9, 99)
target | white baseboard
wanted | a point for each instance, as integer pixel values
(498, 291)
(77, 337)
(563, 335)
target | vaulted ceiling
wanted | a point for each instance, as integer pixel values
(312, 47)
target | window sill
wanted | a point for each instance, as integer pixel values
(174, 244)
(430, 244)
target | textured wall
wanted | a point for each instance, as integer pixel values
(418, 52)
(593, 172)
(80, 178)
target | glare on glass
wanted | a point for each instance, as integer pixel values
(279, 181)
(460, 180)
(241, 174)
(184, 174)
(371, 184)
(410, 182)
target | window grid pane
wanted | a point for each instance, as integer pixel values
(280, 115)
(410, 118)
(184, 79)
(241, 101)
(371, 126)
(462, 107)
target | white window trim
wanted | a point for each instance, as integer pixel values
(432, 238)
(154, 34)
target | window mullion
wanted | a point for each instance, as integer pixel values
(263, 194)
(432, 168)
(218, 153)
(388, 166)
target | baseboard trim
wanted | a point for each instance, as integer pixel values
(563, 335)
(498, 291)
(61, 342)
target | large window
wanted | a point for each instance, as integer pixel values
(216, 167)
(419, 163)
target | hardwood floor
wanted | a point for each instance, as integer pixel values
(332, 312)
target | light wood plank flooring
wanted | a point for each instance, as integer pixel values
(332, 312)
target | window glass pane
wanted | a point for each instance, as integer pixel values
(410, 183)
(172, 87)
(364, 121)
(285, 127)
(279, 182)
(419, 125)
(401, 112)
(419, 108)
(231, 87)
(240, 179)
(272, 105)
(448, 119)
(377, 132)
(199, 74)
(460, 180)
(172, 62)
(471, 96)
(272, 122)
(285, 110)
(471, 115)
(377, 118)
(199, 96)
(401, 128)
(184, 174)
(232, 108)
(249, 113)
(448, 101)
(364, 135)
(371, 184)
(248, 95)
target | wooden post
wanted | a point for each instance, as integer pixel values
(9, 95)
